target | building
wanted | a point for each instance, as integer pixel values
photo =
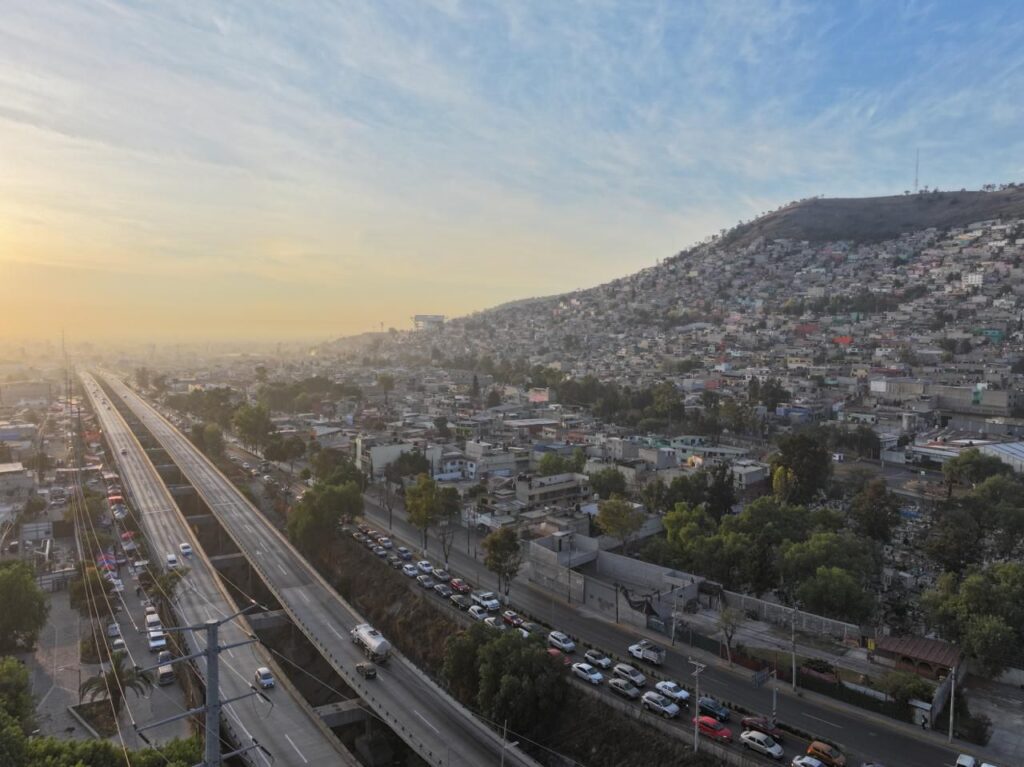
(26, 394)
(16, 487)
(1010, 453)
(556, 490)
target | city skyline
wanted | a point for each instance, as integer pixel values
(181, 173)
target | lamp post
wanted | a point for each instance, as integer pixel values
(697, 669)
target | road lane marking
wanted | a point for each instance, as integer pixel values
(304, 597)
(281, 568)
(823, 721)
(422, 719)
(303, 758)
(335, 631)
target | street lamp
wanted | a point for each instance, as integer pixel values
(697, 669)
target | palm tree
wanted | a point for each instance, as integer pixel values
(113, 684)
(164, 585)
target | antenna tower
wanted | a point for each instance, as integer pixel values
(917, 167)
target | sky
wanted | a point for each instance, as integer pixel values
(305, 170)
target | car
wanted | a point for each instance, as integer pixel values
(555, 654)
(477, 613)
(164, 656)
(254, 472)
(443, 590)
(117, 585)
(759, 743)
(263, 677)
(461, 601)
(531, 628)
(486, 599)
(598, 658)
(172, 562)
(424, 567)
(366, 670)
(708, 706)
(113, 630)
(246, 466)
(370, 543)
(511, 617)
(441, 575)
(374, 534)
(494, 622)
(404, 553)
(460, 586)
(385, 542)
(124, 451)
(672, 691)
(826, 753)
(425, 581)
(627, 672)
(659, 704)
(185, 549)
(395, 561)
(587, 673)
(763, 724)
(157, 641)
(624, 687)
(118, 645)
(267, 478)
(360, 538)
(561, 641)
(380, 551)
(410, 570)
(149, 607)
(710, 727)
(805, 761)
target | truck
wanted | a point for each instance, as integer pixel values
(647, 651)
(376, 647)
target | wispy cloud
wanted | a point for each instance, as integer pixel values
(485, 149)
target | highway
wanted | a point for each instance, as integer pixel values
(288, 729)
(431, 722)
(865, 738)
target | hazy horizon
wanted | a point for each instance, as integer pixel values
(189, 172)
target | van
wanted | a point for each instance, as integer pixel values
(165, 674)
(826, 754)
(152, 622)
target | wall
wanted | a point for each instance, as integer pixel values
(780, 615)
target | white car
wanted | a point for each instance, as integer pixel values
(653, 701)
(172, 562)
(561, 641)
(410, 570)
(598, 658)
(113, 630)
(587, 673)
(185, 549)
(673, 691)
(806, 761)
(157, 641)
(476, 612)
(760, 743)
(264, 678)
(630, 674)
(424, 567)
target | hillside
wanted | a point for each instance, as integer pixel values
(873, 219)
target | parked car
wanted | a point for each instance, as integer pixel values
(359, 537)
(826, 753)
(624, 687)
(511, 617)
(410, 570)
(598, 658)
(659, 704)
(441, 575)
(708, 706)
(425, 581)
(366, 670)
(443, 590)
(395, 561)
(710, 727)
(763, 724)
(672, 691)
(460, 586)
(760, 743)
(118, 645)
(164, 656)
(385, 542)
(380, 551)
(625, 671)
(113, 630)
(461, 601)
(494, 622)
(557, 655)
(404, 553)
(476, 612)
(531, 628)
(805, 761)
(587, 673)
(424, 567)
(486, 599)
(157, 641)
(264, 678)
(561, 641)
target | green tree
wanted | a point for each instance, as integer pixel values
(213, 441)
(493, 398)
(253, 425)
(654, 496)
(386, 383)
(13, 743)
(608, 482)
(90, 592)
(972, 466)
(954, 541)
(903, 686)
(142, 377)
(461, 668)
(165, 584)
(579, 460)
(721, 490)
(313, 522)
(835, 593)
(441, 425)
(24, 607)
(729, 621)
(874, 511)
(408, 464)
(503, 556)
(991, 644)
(294, 449)
(423, 505)
(618, 518)
(16, 693)
(113, 684)
(197, 435)
(808, 466)
(553, 463)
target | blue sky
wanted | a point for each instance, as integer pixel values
(315, 168)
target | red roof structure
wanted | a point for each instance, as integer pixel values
(927, 657)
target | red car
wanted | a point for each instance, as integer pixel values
(710, 727)
(459, 586)
(511, 618)
(762, 724)
(559, 656)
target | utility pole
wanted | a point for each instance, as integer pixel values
(952, 706)
(697, 669)
(792, 649)
(212, 757)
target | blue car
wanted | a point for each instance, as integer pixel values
(708, 706)
(404, 553)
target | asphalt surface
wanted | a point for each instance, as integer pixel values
(864, 739)
(431, 722)
(285, 727)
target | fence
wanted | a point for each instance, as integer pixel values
(780, 615)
